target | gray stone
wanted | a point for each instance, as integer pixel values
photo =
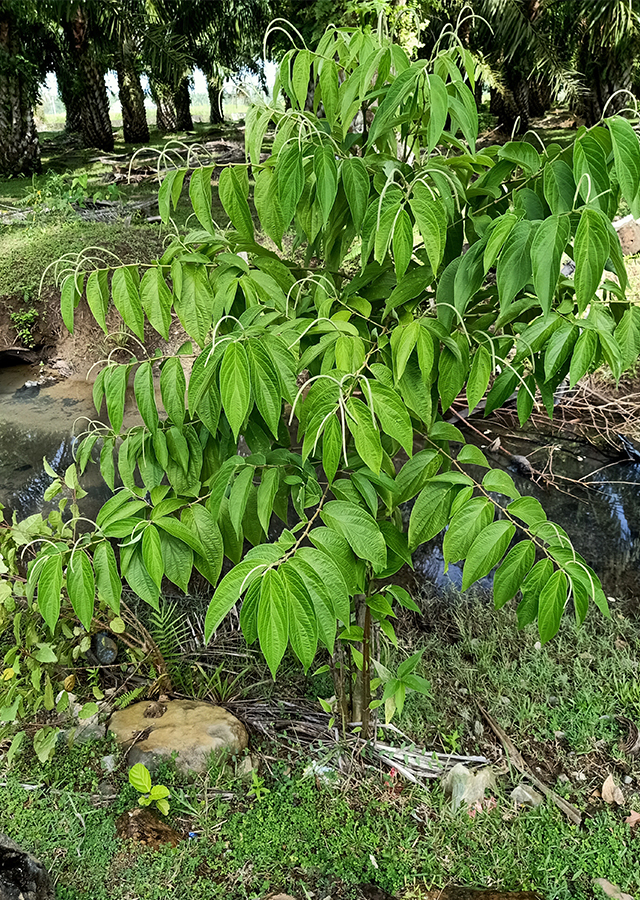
(109, 763)
(22, 877)
(189, 728)
(611, 890)
(523, 795)
(465, 787)
(105, 649)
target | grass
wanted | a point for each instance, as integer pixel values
(305, 836)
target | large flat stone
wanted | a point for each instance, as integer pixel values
(192, 729)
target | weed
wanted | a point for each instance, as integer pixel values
(23, 320)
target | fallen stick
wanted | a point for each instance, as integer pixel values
(574, 815)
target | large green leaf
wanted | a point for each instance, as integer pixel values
(591, 251)
(81, 586)
(465, 526)
(290, 172)
(235, 386)
(513, 271)
(200, 196)
(156, 300)
(355, 179)
(551, 604)
(234, 190)
(50, 590)
(486, 551)
(547, 249)
(108, 581)
(626, 154)
(303, 625)
(126, 298)
(145, 395)
(430, 513)
(359, 529)
(326, 172)
(510, 575)
(273, 619)
(201, 523)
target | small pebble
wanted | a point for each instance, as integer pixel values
(628, 779)
(553, 701)
(580, 776)
(537, 646)
(109, 763)
(564, 779)
(559, 735)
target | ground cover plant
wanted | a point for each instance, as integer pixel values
(304, 834)
(364, 336)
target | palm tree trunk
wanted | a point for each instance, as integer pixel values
(71, 99)
(19, 146)
(166, 120)
(134, 114)
(214, 89)
(96, 125)
(182, 102)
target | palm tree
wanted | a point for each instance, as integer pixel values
(81, 31)
(607, 46)
(23, 58)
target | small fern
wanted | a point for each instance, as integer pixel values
(127, 699)
(169, 630)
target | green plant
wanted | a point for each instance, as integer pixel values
(56, 191)
(23, 321)
(258, 788)
(140, 779)
(365, 331)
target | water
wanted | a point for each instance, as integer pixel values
(37, 423)
(604, 522)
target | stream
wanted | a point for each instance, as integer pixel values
(603, 521)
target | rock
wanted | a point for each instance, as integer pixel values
(564, 779)
(559, 735)
(22, 877)
(192, 729)
(109, 763)
(105, 649)
(245, 768)
(611, 890)
(465, 787)
(523, 795)
(629, 233)
(144, 827)
(628, 779)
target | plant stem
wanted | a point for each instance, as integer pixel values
(366, 674)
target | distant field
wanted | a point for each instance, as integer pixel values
(54, 121)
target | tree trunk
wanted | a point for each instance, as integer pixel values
(96, 125)
(72, 101)
(214, 89)
(512, 108)
(166, 120)
(134, 114)
(182, 102)
(19, 146)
